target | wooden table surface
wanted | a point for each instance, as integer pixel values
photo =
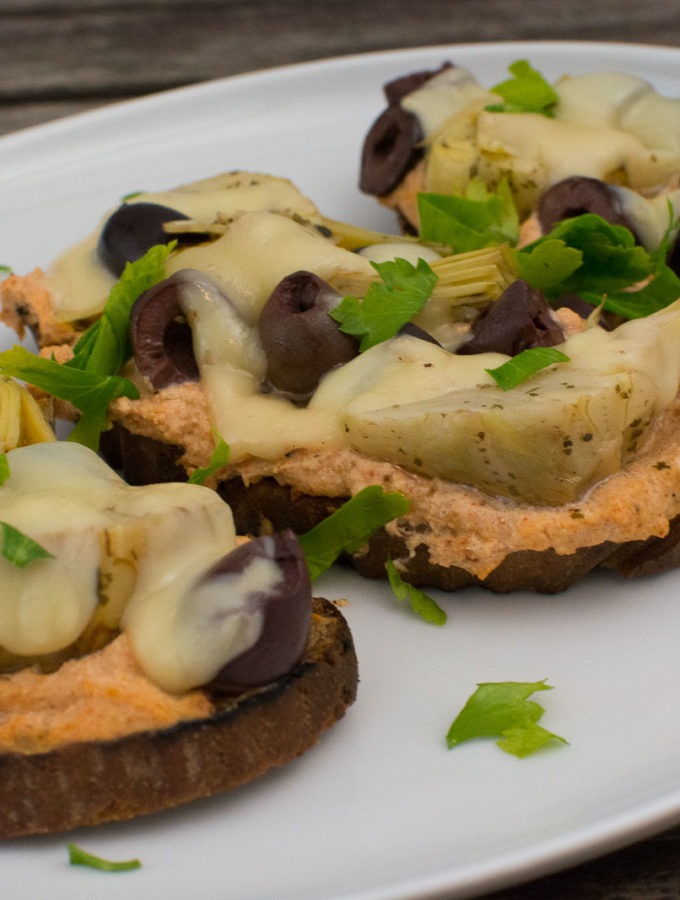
(63, 56)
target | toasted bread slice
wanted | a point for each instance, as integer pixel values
(91, 782)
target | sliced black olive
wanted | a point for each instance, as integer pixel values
(132, 230)
(399, 87)
(391, 149)
(520, 318)
(300, 340)
(161, 336)
(576, 196)
(286, 605)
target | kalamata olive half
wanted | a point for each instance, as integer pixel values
(161, 336)
(132, 230)
(391, 149)
(300, 340)
(577, 195)
(520, 318)
(285, 603)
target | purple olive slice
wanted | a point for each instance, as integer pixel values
(300, 340)
(391, 149)
(577, 195)
(285, 606)
(520, 319)
(161, 336)
(132, 230)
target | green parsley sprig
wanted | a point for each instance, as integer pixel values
(600, 262)
(526, 92)
(525, 364)
(479, 218)
(80, 857)
(421, 602)
(350, 526)
(19, 549)
(89, 380)
(503, 710)
(219, 458)
(387, 306)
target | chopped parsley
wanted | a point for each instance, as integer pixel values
(350, 526)
(387, 306)
(421, 603)
(526, 92)
(476, 220)
(20, 549)
(89, 380)
(4, 468)
(219, 458)
(503, 710)
(524, 365)
(600, 262)
(80, 857)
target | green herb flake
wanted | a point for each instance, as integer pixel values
(219, 458)
(350, 526)
(387, 306)
(88, 391)
(421, 603)
(20, 549)
(524, 365)
(7, 270)
(526, 92)
(503, 710)
(4, 468)
(79, 857)
(471, 222)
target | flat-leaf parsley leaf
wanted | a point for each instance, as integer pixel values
(350, 526)
(503, 710)
(386, 307)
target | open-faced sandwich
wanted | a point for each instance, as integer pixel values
(330, 358)
(147, 657)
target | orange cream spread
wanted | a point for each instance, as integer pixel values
(101, 696)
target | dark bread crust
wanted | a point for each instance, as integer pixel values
(94, 782)
(264, 506)
(268, 505)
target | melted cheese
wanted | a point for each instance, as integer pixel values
(162, 538)
(80, 284)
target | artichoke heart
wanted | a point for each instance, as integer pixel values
(544, 442)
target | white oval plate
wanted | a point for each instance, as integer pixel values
(380, 809)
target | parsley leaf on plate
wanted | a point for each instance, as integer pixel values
(524, 365)
(80, 857)
(503, 710)
(350, 526)
(387, 306)
(421, 603)
(471, 222)
(526, 91)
